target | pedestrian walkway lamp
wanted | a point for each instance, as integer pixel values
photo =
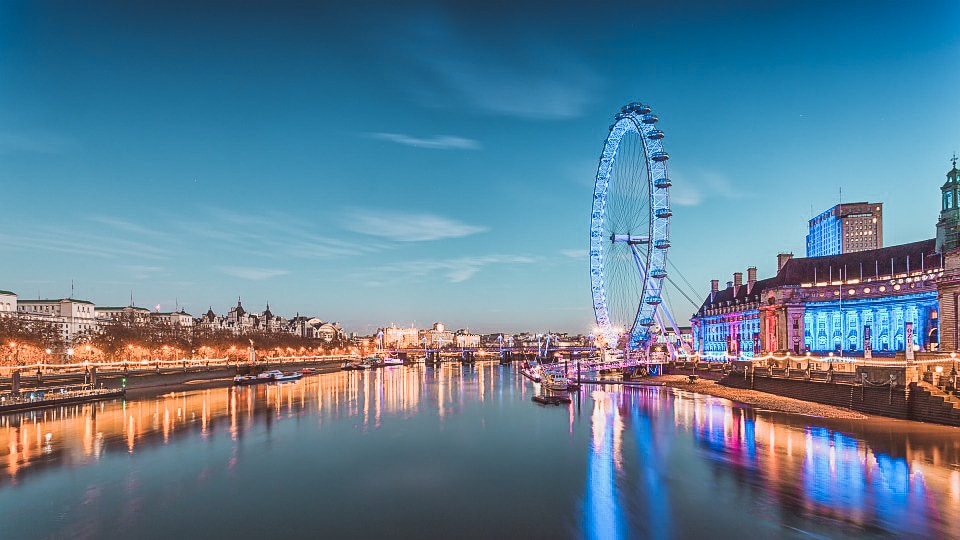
(953, 370)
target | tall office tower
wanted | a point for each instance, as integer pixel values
(846, 228)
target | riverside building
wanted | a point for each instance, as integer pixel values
(864, 302)
(73, 318)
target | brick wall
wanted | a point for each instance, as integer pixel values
(706, 371)
(907, 403)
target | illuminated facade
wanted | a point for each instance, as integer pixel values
(438, 336)
(400, 338)
(846, 228)
(844, 297)
(827, 304)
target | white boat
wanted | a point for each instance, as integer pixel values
(553, 380)
(389, 361)
(291, 376)
(531, 371)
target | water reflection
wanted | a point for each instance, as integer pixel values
(866, 477)
(79, 434)
(615, 463)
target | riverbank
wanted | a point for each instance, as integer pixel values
(162, 386)
(757, 399)
(148, 383)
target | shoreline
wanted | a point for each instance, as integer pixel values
(758, 399)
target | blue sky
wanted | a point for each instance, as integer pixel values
(373, 163)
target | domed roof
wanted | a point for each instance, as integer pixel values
(953, 176)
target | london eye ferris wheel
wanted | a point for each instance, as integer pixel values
(630, 228)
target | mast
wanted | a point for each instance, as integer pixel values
(843, 322)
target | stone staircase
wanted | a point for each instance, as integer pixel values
(931, 404)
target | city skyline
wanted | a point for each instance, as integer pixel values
(378, 165)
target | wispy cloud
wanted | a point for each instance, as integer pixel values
(61, 240)
(129, 227)
(39, 142)
(513, 73)
(455, 270)
(255, 274)
(268, 235)
(439, 142)
(693, 189)
(575, 253)
(139, 271)
(405, 227)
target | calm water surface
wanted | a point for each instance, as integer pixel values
(462, 452)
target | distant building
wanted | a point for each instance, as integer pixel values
(400, 338)
(173, 318)
(464, 339)
(74, 318)
(8, 302)
(846, 228)
(127, 315)
(438, 336)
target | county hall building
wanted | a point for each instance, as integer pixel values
(877, 299)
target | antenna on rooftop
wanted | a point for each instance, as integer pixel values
(954, 160)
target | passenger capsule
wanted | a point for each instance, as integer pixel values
(647, 321)
(663, 213)
(658, 273)
(655, 134)
(654, 300)
(661, 244)
(662, 183)
(659, 156)
(649, 119)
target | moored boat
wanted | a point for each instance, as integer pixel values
(531, 371)
(353, 366)
(280, 376)
(274, 375)
(554, 380)
(390, 361)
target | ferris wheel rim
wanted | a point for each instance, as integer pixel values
(633, 118)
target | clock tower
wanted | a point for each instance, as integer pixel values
(948, 226)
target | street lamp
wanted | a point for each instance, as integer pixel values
(953, 370)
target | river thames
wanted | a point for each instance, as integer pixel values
(460, 451)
